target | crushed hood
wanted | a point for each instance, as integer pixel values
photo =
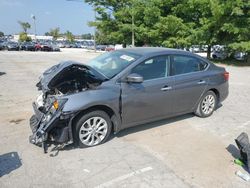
(57, 73)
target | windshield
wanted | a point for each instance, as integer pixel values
(111, 63)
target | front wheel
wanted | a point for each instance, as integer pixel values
(92, 129)
(207, 105)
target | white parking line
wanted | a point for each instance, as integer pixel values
(86, 170)
(246, 123)
(121, 178)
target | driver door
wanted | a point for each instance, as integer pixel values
(151, 99)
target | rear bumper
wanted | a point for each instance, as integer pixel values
(224, 91)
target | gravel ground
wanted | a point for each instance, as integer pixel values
(185, 151)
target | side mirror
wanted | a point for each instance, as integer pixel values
(134, 78)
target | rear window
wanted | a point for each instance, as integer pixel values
(187, 64)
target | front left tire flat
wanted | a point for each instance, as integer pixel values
(92, 129)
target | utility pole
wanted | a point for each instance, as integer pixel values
(95, 29)
(133, 31)
(34, 19)
(133, 23)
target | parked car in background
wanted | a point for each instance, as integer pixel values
(84, 44)
(219, 55)
(195, 49)
(27, 46)
(240, 56)
(110, 48)
(101, 47)
(38, 46)
(2, 46)
(55, 47)
(118, 46)
(78, 44)
(84, 103)
(61, 45)
(11, 46)
(46, 47)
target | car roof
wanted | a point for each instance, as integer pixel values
(152, 50)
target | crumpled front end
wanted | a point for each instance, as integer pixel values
(49, 124)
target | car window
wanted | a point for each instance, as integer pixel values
(156, 67)
(111, 63)
(186, 64)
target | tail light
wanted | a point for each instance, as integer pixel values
(226, 76)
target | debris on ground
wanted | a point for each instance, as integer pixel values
(2, 73)
(239, 162)
(243, 176)
(16, 121)
(243, 144)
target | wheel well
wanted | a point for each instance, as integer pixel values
(104, 108)
(216, 93)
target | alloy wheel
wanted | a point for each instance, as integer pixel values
(93, 131)
(208, 104)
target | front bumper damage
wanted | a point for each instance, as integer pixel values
(57, 129)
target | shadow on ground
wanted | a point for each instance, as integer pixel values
(9, 162)
(2, 73)
(55, 149)
(152, 125)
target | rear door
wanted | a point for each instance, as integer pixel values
(151, 99)
(190, 82)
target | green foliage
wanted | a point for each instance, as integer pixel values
(23, 37)
(172, 23)
(70, 37)
(55, 33)
(1, 34)
(25, 26)
(240, 46)
(87, 36)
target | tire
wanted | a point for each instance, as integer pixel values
(207, 105)
(87, 134)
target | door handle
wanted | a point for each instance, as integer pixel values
(201, 82)
(166, 88)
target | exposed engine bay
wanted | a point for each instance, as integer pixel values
(71, 79)
(66, 78)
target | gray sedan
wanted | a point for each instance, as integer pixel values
(84, 103)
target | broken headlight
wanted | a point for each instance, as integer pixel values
(57, 104)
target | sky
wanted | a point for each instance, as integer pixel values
(71, 15)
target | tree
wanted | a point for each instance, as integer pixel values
(172, 23)
(25, 26)
(23, 37)
(87, 36)
(216, 21)
(69, 36)
(1, 34)
(55, 33)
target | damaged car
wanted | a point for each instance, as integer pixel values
(84, 103)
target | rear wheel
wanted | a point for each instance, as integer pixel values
(207, 105)
(92, 129)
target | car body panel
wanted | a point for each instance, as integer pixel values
(136, 103)
(191, 86)
(142, 100)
